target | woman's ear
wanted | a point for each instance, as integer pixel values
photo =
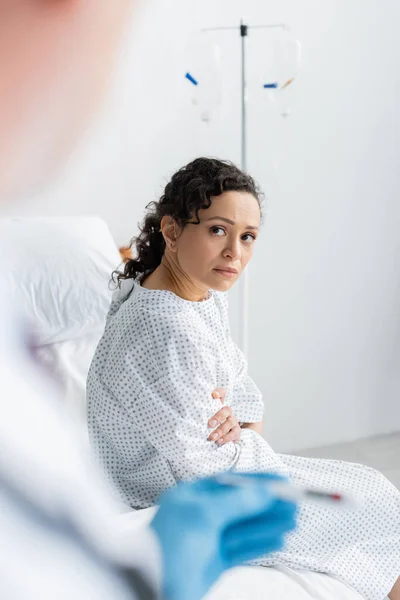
(170, 231)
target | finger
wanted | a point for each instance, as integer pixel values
(232, 436)
(220, 417)
(262, 534)
(223, 429)
(279, 518)
(236, 502)
(247, 550)
(219, 394)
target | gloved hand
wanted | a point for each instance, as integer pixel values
(206, 527)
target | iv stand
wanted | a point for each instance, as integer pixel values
(244, 282)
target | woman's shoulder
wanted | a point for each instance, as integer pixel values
(166, 304)
(172, 333)
(164, 314)
(162, 311)
(152, 334)
(162, 332)
(160, 303)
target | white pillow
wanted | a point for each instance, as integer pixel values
(61, 274)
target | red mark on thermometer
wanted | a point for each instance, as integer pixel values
(284, 490)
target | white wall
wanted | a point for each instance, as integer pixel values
(325, 281)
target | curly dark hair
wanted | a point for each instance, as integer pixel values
(188, 191)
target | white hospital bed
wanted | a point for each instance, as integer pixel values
(63, 284)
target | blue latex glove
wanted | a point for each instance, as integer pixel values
(206, 527)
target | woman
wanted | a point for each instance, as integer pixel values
(167, 346)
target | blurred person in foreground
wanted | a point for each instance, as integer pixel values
(58, 532)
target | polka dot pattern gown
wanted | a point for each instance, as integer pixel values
(149, 402)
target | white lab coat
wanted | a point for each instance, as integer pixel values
(59, 531)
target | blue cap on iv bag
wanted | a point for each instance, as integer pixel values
(191, 79)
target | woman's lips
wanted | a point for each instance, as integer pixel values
(229, 274)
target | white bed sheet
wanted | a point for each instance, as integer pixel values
(259, 583)
(69, 361)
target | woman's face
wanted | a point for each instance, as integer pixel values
(214, 253)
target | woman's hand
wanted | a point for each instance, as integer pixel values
(229, 428)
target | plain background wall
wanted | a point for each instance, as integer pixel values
(325, 280)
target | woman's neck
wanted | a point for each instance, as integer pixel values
(169, 276)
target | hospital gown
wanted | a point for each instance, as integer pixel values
(149, 403)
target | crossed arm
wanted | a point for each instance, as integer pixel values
(225, 425)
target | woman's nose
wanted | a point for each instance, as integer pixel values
(233, 250)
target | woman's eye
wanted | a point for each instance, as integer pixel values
(220, 231)
(249, 238)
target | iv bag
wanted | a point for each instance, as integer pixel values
(204, 77)
(279, 63)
